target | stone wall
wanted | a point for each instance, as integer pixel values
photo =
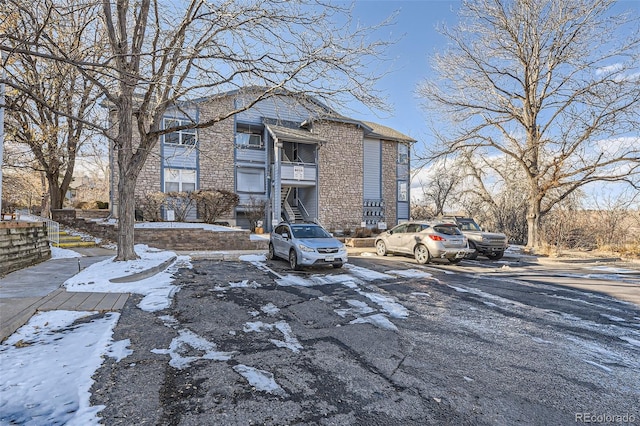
(340, 176)
(92, 213)
(22, 244)
(180, 239)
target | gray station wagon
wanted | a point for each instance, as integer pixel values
(306, 244)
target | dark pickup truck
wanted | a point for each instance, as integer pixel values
(489, 244)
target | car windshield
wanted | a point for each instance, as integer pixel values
(309, 231)
(469, 226)
(447, 229)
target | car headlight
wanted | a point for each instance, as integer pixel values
(305, 248)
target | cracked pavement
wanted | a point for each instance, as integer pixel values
(255, 343)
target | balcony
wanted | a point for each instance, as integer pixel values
(298, 174)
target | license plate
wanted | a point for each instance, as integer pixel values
(329, 259)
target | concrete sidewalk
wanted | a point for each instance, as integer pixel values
(38, 287)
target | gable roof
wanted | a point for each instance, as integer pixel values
(387, 133)
(280, 130)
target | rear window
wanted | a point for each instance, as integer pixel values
(447, 229)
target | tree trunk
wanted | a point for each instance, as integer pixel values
(127, 176)
(126, 217)
(55, 195)
(533, 222)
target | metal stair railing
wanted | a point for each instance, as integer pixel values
(53, 227)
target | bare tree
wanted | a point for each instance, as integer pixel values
(438, 189)
(553, 85)
(164, 54)
(47, 100)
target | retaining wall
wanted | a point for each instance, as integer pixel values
(22, 244)
(180, 239)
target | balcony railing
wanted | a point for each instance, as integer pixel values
(303, 173)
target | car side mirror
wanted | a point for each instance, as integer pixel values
(285, 235)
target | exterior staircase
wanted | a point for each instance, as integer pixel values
(293, 212)
(67, 241)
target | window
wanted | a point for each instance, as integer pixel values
(250, 180)
(179, 180)
(403, 193)
(400, 229)
(403, 154)
(252, 140)
(181, 137)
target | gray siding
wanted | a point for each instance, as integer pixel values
(251, 155)
(309, 198)
(403, 211)
(372, 169)
(176, 156)
(403, 172)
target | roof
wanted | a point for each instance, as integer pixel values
(384, 132)
(290, 134)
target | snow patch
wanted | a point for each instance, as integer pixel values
(260, 379)
(187, 343)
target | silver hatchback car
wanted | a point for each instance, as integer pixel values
(425, 241)
(306, 244)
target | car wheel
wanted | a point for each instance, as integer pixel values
(337, 265)
(381, 248)
(455, 260)
(293, 260)
(474, 254)
(496, 256)
(421, 253)
(272, 254)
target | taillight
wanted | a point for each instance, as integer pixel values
(436, 237)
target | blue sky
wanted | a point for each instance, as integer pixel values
(415, 23)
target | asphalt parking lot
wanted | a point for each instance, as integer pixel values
(378, 342)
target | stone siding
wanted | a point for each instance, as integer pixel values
(149, 178)
(389, 181)
(340, 192)
(22, 244)
(217, 146)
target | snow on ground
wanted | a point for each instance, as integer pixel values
(47, 364)
(47, 367)
(158, 289)
(61, 253)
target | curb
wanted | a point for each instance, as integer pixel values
(138, 276)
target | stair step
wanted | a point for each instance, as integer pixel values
(75, 244)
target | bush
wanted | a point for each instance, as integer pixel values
(85, 205)
(255, 210)
(150, 205)
(180, 203)
(214, 203)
